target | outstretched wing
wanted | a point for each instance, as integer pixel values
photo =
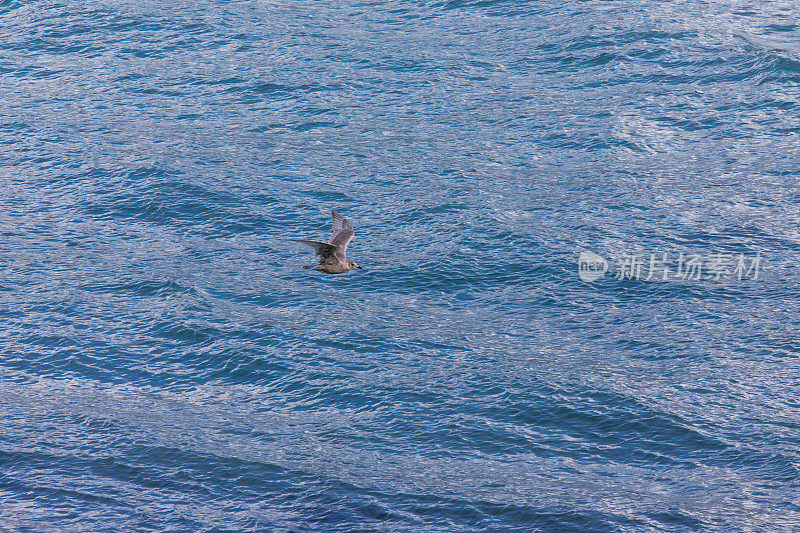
(342, 235)
(324, 250)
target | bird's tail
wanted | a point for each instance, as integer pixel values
(309, 266)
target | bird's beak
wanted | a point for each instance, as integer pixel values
(361, 268)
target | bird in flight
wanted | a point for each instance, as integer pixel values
(331, 254)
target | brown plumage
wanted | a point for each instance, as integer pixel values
(332, 258)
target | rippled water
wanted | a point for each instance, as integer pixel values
(165, 364)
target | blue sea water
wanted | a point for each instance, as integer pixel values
(166, 365)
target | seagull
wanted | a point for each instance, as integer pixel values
(331, 254)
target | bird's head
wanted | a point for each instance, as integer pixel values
(354, 265)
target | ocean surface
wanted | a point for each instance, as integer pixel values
(166, 364)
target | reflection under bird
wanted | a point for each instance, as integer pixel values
(331, 254)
